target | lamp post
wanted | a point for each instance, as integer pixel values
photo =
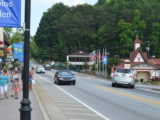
(25, 110)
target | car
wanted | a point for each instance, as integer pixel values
(47, 67)
(40, 69)
(64, 76)
(123, 77)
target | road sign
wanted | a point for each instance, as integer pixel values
(104, 60)
(10, 13)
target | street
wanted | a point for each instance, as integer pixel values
(94, 99)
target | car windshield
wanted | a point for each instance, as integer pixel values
(65, 73)
(123, 71)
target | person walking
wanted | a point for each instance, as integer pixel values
(4, 80)
(14, 76)
(16, 88)
(31, 78)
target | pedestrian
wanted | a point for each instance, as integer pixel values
(4, 80)
(16, 88)
(14, 76)
(31, 78)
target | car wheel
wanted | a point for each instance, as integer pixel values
(55, 82)
(74, 83)
(113, 85)
(132, 86)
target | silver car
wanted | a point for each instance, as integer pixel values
(123, 77)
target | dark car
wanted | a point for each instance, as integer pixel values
(47, 67)
(64, 76)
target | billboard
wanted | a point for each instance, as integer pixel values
(10, 13)
(17, 49)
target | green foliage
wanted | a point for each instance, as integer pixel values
(17, 36)
(125, 36)
(85, 66)
(112, 62)
(8, 32)
(111, 24)
(155, 37)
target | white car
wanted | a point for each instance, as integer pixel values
(40, 69)
(123, 77)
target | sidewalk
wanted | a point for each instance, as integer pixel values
(9, 108)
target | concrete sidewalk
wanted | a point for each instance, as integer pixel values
(9, 108)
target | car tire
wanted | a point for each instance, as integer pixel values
(55, 82)
(113, 85)
(132, 86)
(74, 83)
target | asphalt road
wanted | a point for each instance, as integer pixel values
(97, 96)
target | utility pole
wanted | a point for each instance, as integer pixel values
(25, 110)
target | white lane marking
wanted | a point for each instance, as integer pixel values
(78, 109)
(104, 117)
(82, 114)
(70, 105)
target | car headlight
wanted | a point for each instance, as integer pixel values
(73, 79)
(61, 79)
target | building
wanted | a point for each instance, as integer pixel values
(4, 43)
(145, 68)
(79, 58)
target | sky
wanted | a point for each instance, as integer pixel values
(38, 7)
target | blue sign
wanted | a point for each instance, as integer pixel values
(10, 13)
(18, 51)
(104, 60)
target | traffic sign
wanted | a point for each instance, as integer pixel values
(104, 60)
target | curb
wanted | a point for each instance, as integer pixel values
(44, 113)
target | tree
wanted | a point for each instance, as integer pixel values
(155, 40)
(17, 36)
(8, 32)
(125, 34)
(138, 24)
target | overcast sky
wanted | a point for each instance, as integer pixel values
(40, 6)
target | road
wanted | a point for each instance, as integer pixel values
(94, 99)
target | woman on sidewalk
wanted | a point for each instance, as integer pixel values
(31, 78)
(16, 88)
(14, 76)
(4, 80)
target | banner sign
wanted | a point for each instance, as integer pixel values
(104, 60)
(18, 51)
(10, 13)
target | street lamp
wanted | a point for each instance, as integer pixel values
(25, 110)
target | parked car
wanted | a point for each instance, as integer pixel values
(64, 76)
(47, 67)
(40, 69)
(59, 66)
(123, 77)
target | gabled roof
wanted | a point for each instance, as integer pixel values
(134, 54)
(155, 62)
(137, 40)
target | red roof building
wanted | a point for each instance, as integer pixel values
(144, 67)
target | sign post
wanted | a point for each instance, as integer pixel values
(25, 110)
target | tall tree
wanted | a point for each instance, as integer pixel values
(155, 40)
(125, 34)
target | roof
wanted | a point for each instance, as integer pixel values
(137, 40)
(79, 52)
(154, 62)
(134, 54)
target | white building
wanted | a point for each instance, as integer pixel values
(144, 67)
(79, 58)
